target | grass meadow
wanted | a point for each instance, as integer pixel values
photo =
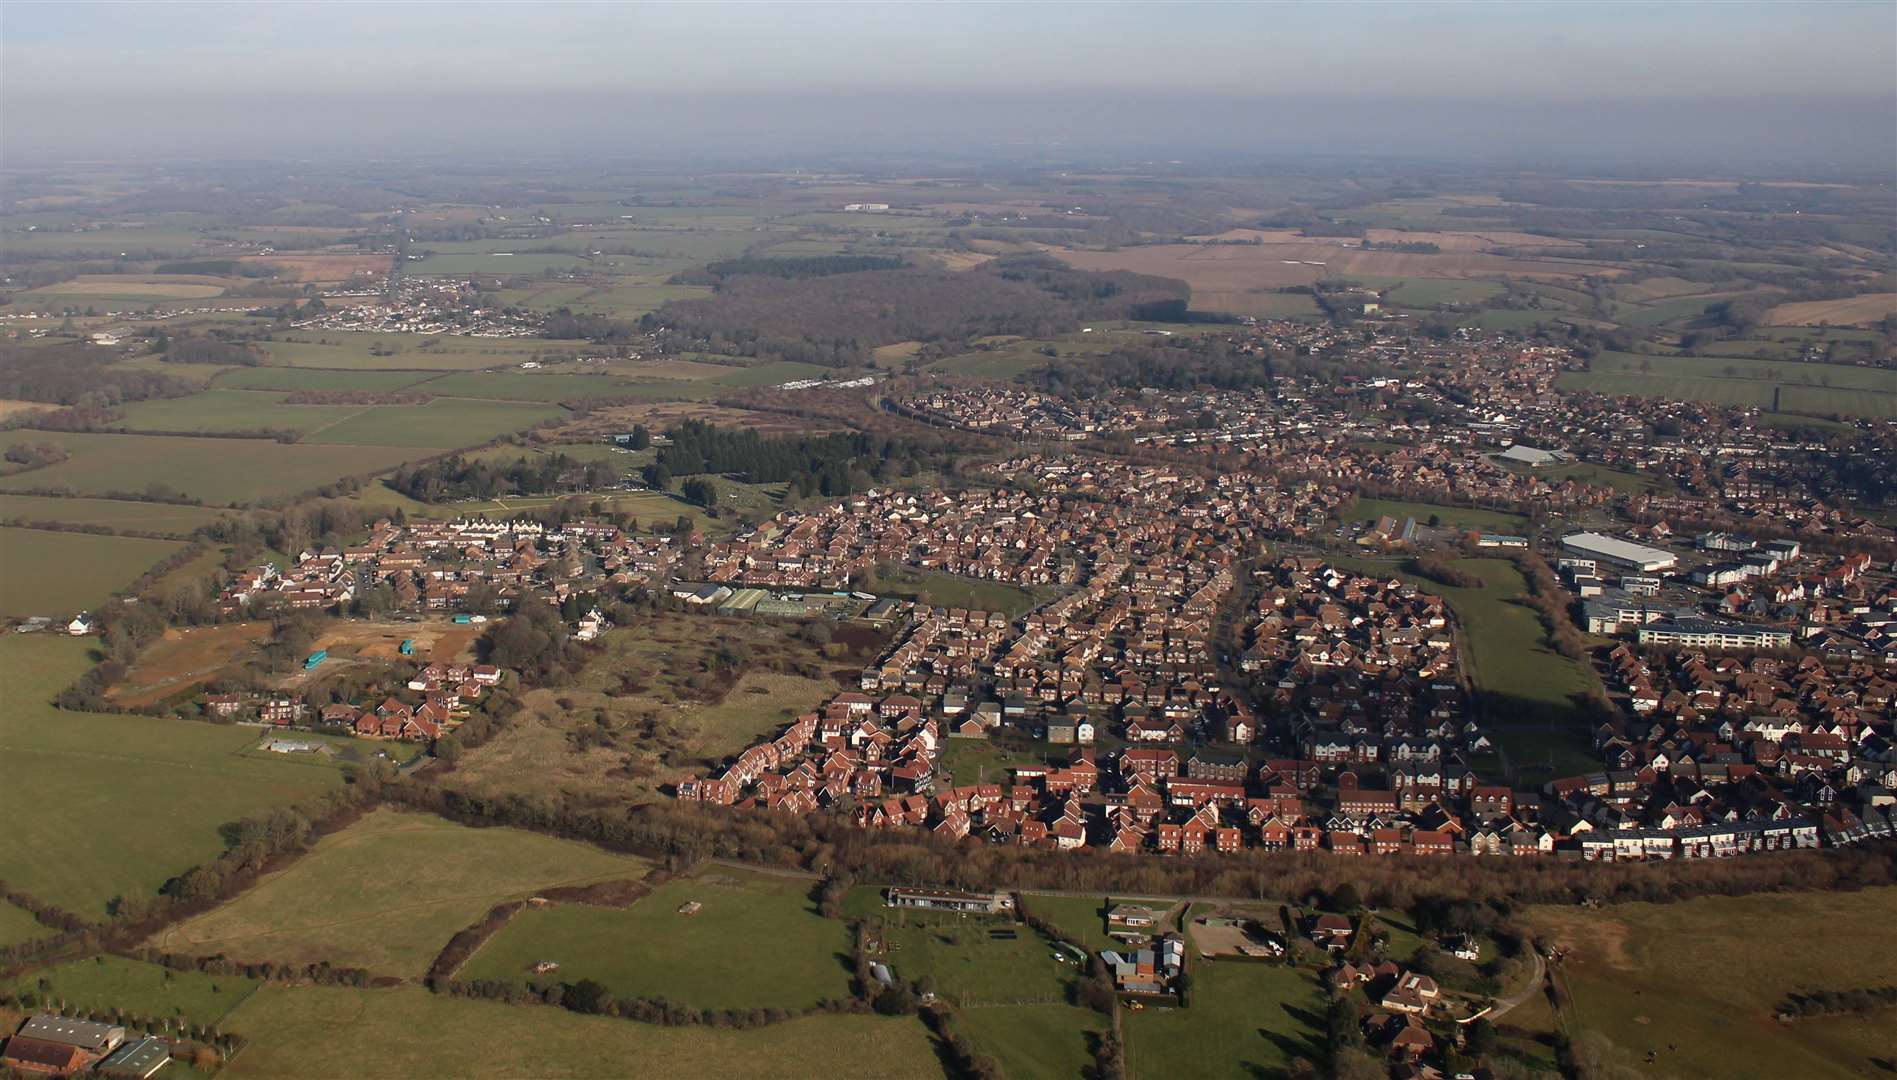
(1035, 1042)
(1698, 981)
(59, 573)
(388, 892)
(1245, 1019)
(17, 925)
(1821, 389)
(319, 1033)
(104, 983)
(121, 514)
(218, 471)
(97, 806)
(756, 941)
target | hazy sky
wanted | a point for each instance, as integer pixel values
(270, 77)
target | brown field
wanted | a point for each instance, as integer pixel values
(436, 639)
(10, 408)
(894, 355)
(1850, 311)
(961, 260)
(338, 267)
(185, 657)
(1233, 278)
(164, 286)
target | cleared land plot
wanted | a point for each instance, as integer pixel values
(1245, 1019)
(388, 892)
(107, 983)
(1035, 1042)
(1851, 311)
(111, 513)
(756, 941)
(186, 656)
(400, 1034)
(1699, 980)
(138, 799)
(54, 573)
(218, 471)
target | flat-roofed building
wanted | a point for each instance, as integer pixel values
(1620, 552)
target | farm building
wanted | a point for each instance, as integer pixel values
(947, 900)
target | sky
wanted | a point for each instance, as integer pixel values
(262, 79)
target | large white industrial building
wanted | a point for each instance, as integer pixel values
(1620, 552)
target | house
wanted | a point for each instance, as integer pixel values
(1413, 993)
(1131, 917)
(1331, 931)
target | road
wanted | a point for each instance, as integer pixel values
(1533, 987)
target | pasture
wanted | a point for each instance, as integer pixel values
(1035, 1042)
(363, 351)
(1699, 981)
(129, 288)
(294, 1036)
(388, 892)
(1245, 1019)
(442, 424)
(105, 464)
(59, 573)
(118, 514)
(1775, 386)
(17, 926)
(755, 941)
(288, 378)
(72, 776)
(967, 963)
(107, 983)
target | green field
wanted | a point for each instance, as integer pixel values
(231, 410)
(1035, 1042)
(17, 925)
(61, 573)
(104, 983)
(1450, 516)
(288, 378)
(110, 513)
(1080, 919)
(320, 1033)
(388, 892)
(1432, 292)
(352, 350)
(1245, 1019)
(200, 467)
(755, 942)
(950, 590)
(444, 423)
(1821, 389)
(1700, 980)
(71, 778)
(967, 964)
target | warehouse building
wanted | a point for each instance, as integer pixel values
(1620, 552)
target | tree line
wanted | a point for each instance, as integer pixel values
(834, 464)
(457, 477)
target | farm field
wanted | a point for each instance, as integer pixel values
(231, 410)
(351, 350)
(131, 288)
(62, 573)
(1699, 980)
(388, 892)
(442, 424)
(1232, 277)
(1851, 311)
(102, 464)
(1245, 1018)
(288, 378)
(1035, 1042)
(17, 925)
(293, 1033)
(714, 958)
(105, 983)
(186, 779)
(1776, 386)
(121, 514)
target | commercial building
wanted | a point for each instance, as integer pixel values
(1620, 552)
(1712, 634)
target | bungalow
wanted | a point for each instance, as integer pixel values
(980, 903)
